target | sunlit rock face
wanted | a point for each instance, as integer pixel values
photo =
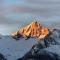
(34, 30)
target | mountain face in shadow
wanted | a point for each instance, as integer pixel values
(47, 49)
(2, 57)
(34, 30)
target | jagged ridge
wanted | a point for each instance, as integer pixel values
(33, 30)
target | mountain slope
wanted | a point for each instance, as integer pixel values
(47, 49)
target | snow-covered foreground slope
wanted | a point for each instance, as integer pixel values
(13, 49)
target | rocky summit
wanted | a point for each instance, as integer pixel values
(34, 30)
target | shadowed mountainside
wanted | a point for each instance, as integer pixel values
(47, 49)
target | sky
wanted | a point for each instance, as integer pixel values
(15, 14)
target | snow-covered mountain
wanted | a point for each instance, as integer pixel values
(12, 49)
(47, 49)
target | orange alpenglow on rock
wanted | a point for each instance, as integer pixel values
(34, 30)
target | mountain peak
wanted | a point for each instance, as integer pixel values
(34, 22)
(34, 30)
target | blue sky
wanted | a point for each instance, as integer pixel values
(17, 13)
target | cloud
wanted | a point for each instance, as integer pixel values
(43, 1)
(43, 8)
(17, 12)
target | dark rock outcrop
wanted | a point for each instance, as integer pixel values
(2, 57)
(47, 49)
